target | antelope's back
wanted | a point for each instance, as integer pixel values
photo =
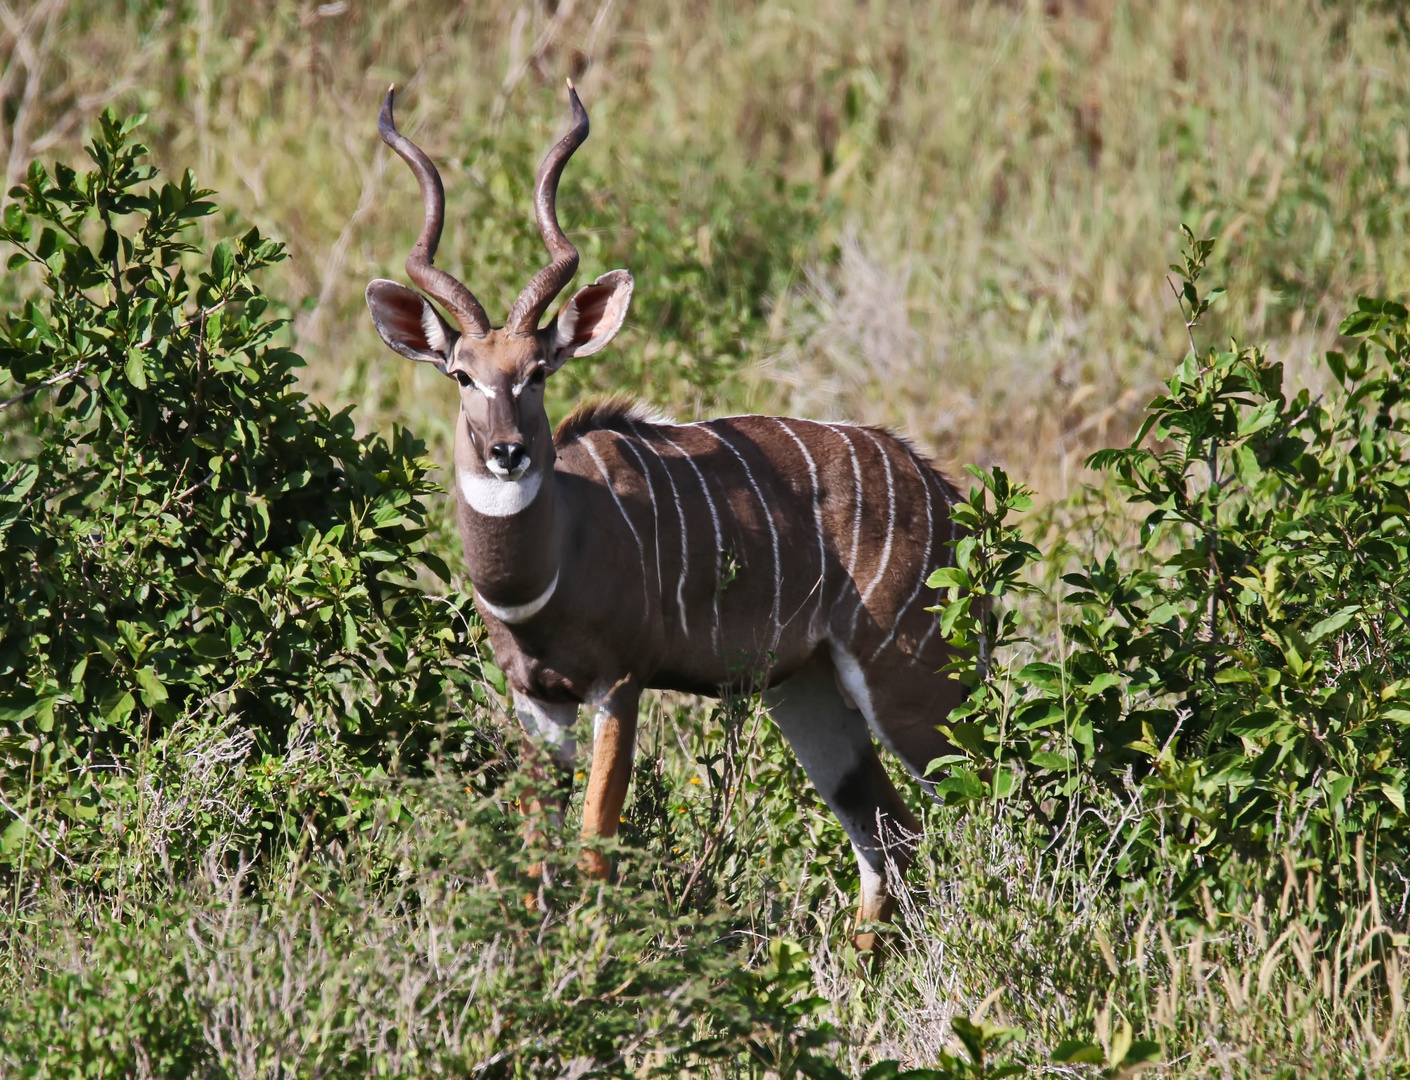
(761, 537)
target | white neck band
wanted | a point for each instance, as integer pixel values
(518, 613)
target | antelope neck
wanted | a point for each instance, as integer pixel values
(509, 531)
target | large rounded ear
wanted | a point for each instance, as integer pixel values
(409, 324)
(591, 318)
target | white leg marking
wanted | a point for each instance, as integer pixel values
(871, 868)
(517, 613)
(680, 516)
(493, 497)
(849, 670)
(924, 567)
(655, 518)
(854, 681)
(816, 496)
(600, 697)
(719, 537)
(773, 532)
(607, 479)
(551, 722)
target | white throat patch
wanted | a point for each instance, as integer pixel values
(517, 613)
(493, 497)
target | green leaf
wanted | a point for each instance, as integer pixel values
(1078, 1052)
(1103, 682)
(1394, 795)
(222, 261)
(153, 692)
(948, 577)
(969, 736)
(12, 836)
(134, 369)
(494, 677)
(1142, 1050)
(435, 564)
(117, 706)
(1258, 419)
(1332, 623)
(1225, 676)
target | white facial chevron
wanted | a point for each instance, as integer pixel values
(493, 497)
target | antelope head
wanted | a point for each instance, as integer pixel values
(500, 370)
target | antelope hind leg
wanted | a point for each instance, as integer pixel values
(613, 746)
(834, 746)
(549, 726)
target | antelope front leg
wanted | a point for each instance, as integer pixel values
(613, 746)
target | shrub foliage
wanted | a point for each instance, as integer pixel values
(187, 544)
(1241, 679)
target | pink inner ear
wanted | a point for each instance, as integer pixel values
(595, 310)
(408, 323)
(403, 317)
(592, 303)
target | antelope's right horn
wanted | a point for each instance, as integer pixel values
(528, 309)
(436, 283)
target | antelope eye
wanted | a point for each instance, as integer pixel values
(462, 378)
(537, 378)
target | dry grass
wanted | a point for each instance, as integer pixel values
(989, 195)
(996, 188)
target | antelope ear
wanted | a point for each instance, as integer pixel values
(591, 318)
(409, 324)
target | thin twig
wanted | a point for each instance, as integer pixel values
(37, 834)
(1189, 323)
(30, 391)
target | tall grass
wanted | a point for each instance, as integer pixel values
(948, 218)
(944, 217)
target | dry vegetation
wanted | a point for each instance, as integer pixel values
(952, 219)
(965, 210)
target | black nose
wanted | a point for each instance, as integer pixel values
(508, 455)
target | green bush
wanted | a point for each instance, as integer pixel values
(245, 759)
(193, 559)
(1239, 683)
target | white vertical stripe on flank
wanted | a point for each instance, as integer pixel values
(890, 531)
(817, 510)
(773, 532)
(715, 519)
(935, 620)
(680, 516)
(586, 440)
(655, 517)
(924, 567)
(857, 507)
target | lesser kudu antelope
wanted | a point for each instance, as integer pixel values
(598, 552)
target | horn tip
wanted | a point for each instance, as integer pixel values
(386, 123)
(571, 88)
